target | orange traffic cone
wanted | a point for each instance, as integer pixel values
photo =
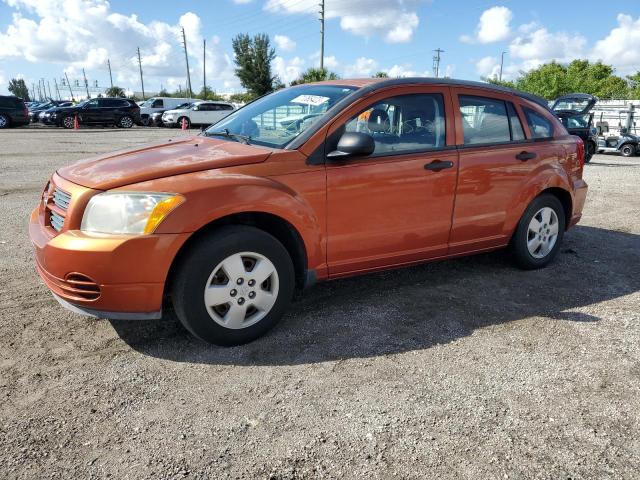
(184, 124)
(76, 123)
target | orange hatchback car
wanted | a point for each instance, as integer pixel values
(309, 183)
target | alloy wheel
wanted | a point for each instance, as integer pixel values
(126, 122)
(67, 122)
(241, 290)
(542, 233)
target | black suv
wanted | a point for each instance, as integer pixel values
(13, 112)
(120, 112)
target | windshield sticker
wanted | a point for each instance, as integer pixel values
(310, 99)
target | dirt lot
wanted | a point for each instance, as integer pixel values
(461, 369)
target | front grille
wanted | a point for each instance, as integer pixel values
(82, 286)
(57, 221)
(61, 199)
(58, 210)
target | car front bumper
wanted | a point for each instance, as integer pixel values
(121, 276)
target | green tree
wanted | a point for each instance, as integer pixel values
(502, 83)
(242, 97)
(381, 75)
(634, 86)
(208, 94)
(548, 81)
(315, 75)
(253, 58)
(115, 91)
(19, 88)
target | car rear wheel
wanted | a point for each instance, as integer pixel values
(125, 122)
(67, 122)
(4, 121)
(539, 233)
(233, 285)
(628, 150)
(590, 150)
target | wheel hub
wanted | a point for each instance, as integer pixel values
(241, 290)
(542, 233)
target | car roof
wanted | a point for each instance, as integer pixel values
(370, 84)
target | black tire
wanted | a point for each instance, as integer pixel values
(590, 149)
(125, 121)
(67, 122)
(186, 119)
(523, 257)
(5, 122)
(628, 150)
(195, 268)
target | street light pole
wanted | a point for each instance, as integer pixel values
(322, 35)
(501, 64)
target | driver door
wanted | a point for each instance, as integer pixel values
(394, 206)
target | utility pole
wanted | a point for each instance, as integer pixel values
(39, 91)
(69, 84)
(33, 91)
(141, 79)
(321, 35)
(204, 66)
(436, 62)
(501, 64)
(186, 58)
(110, 76)
(44, 90)
(49, 87)
(86, 84)
(57, 89)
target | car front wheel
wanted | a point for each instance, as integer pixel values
(233, 285)
(539, 233)
(67, 122)
(4, 121)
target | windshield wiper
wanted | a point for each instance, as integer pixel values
(246, 139)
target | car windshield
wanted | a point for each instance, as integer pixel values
(183, 106)
(276, 119)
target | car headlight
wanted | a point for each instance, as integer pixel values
(128, 213)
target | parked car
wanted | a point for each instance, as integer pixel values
(197, 113)
(159, 104)
(120, 112)
(626, 144)
(35, 110)
(574, 111)
(44, 116)
(155, 119)
(225, 225)
(13, 112)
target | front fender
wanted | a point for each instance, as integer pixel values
(548, 176)
(214, 194)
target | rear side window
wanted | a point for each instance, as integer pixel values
(157, 103)
(540, 126)
(484, 120)
(10, 102)
(517, 133)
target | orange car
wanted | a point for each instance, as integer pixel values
(227, 224)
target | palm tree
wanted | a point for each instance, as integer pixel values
(315, 75)
(115, 91)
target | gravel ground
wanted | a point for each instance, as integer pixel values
(461, 369)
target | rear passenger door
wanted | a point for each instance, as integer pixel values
(496, 160)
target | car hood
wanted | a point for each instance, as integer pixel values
(172, 157)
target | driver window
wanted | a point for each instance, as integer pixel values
(93, 103)
(157, 104)
(405, 123)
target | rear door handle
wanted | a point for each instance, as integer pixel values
(438, 165)
(524, 156)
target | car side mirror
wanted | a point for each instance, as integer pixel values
(353, 144)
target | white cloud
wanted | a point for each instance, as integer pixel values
(405, 70)
(363, 67)
(284, 43)
(494, 26)
(288, 70)
(540, 46)
(620, 46)
(79, 35)
(393, 20)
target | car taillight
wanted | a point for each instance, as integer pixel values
(581, 151)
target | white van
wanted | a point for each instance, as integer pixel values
(159, 104)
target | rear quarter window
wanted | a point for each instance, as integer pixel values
(540, 126)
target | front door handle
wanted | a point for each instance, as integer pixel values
(524, 156)
(438, 165)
